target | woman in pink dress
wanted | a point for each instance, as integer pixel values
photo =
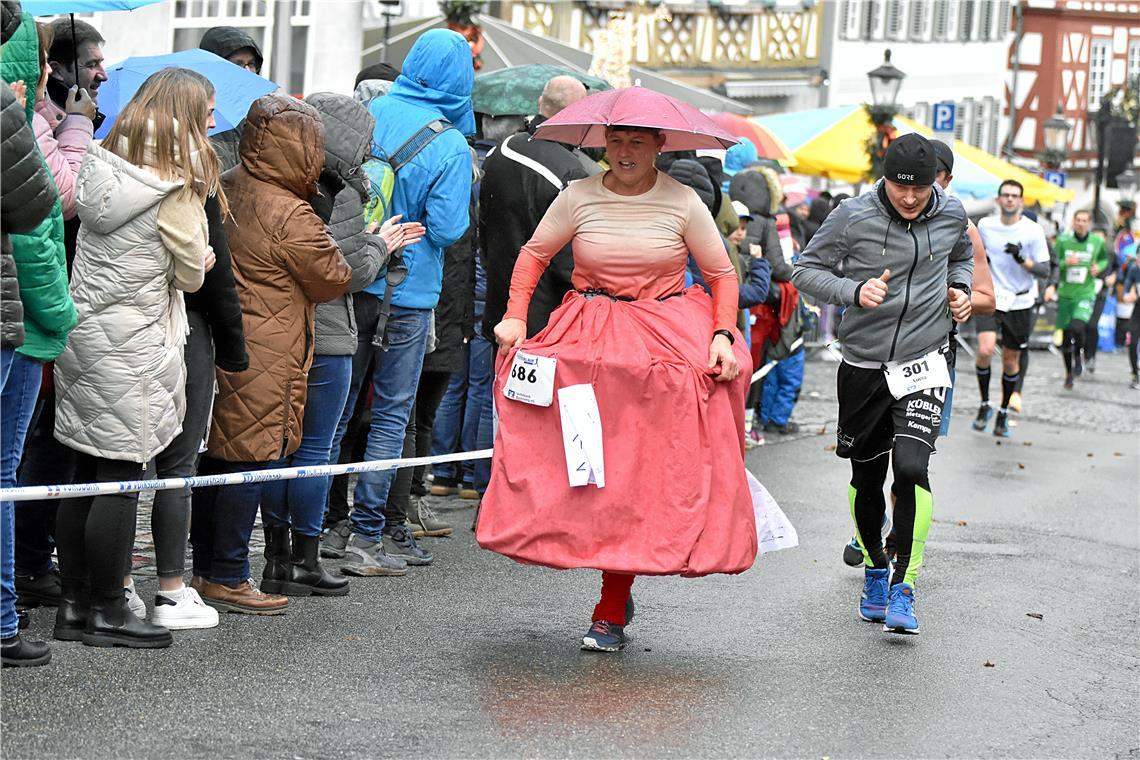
(669, 372)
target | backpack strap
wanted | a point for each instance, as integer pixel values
(418, 142)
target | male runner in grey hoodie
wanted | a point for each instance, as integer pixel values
(900, 259)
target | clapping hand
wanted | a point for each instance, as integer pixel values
(20, 90)
(209, 259)
(874, 291)
(396, 235)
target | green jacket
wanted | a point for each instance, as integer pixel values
(41, 260)
(1077, 280)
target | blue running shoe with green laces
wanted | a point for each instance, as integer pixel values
(873, 602)
(900, 610)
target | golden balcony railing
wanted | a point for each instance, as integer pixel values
(684, 36)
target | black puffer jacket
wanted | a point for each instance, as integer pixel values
(455, 313)
(513, 198)
(27, 197)
(217, 299)
(10, 19)
(751, 189)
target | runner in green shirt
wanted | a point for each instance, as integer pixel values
(1082, 258)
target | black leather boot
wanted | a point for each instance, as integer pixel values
(112, 624)
(71, 614)
(308, 572)
(21, 653)
(277, 571)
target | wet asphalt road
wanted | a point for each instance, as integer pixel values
(478, 657)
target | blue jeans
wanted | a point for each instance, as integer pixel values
(460, 413)
(780, 389)
(395, 379)
(300, 503)
(19, 387)
(486, 436)
(221, 523)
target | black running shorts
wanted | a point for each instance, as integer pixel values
(870, 418)
(1016, 327)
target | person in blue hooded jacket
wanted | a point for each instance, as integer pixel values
(434, 188)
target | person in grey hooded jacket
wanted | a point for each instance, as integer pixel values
(900, 259)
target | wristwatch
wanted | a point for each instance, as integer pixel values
(725, 333)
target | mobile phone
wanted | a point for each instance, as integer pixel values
(58, 90)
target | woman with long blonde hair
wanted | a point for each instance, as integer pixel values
(120, 383)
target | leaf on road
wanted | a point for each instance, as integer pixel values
(998, 443)
(1020, 466)
(989, 664)
(1117, 454)
(829, 447)
(822, 430)
(961, 523)
(1027, 443)
(1090, 455)
(1035, 615)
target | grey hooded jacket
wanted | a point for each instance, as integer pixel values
(862, 237)
(348, 138)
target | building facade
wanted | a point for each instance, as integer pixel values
(309, 45)
(950, 50)
(764, 54)
(1069, 55)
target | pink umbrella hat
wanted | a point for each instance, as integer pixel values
(584, 123)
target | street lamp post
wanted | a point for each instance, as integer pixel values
(1101, 119)
(1056, 141)
(885, 82)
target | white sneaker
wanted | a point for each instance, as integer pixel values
(135, 602)
(182, 609)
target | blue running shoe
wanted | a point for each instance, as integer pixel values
(873, 602)
(1001, 425)
(900, 610)
(604, 637)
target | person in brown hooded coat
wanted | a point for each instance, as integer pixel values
(284, 263)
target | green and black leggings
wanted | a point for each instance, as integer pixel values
(876, 432)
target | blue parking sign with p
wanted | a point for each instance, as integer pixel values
(944, 114)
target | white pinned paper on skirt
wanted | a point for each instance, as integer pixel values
(773, 528)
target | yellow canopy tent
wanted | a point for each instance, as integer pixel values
(831, 142)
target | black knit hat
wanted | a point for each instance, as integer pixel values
(383, 71)
(910, 161)
(944, 155)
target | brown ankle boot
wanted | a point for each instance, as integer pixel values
(245, 598)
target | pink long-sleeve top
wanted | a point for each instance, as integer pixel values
(63, 139)
(629, 246)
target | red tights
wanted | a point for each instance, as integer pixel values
(615, 593)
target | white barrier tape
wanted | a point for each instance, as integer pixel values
(75, 490)
(761, 373)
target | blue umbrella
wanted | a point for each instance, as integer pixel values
(235, 87)
(53, 7)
